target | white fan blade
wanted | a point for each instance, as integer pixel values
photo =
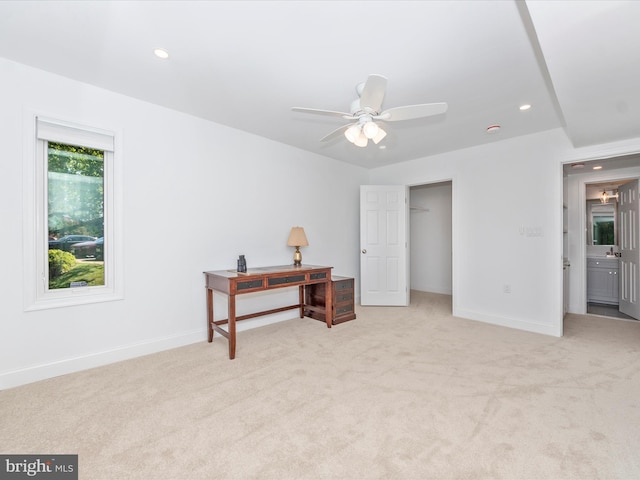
(373, 93)
(336, 132)
(410, 112)
(315, 111)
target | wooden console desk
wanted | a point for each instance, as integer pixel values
(232, 283)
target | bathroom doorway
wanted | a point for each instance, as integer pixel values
(582, 244)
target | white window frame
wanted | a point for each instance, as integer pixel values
(39, 130)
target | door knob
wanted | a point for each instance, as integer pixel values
(364, 250)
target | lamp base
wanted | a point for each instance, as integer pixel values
(297, 258)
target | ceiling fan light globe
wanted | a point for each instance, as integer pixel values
(361, 140)
(370, 129)
(379, 136)
(352, 133)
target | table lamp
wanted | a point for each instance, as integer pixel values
(297, 239)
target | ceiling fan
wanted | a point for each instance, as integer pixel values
(366, 112)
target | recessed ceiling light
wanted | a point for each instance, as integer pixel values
(525, 107)
(382, 147)
(493, 128)
(598, 167)
(161, 53)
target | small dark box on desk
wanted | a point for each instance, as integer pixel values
(343, 300)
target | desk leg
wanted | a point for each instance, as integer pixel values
(328, 302)
(232, 327)
(301, 300)
(210, 314)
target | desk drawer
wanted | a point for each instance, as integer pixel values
(342, 283)
(288, 280)
(344, 313)
(342, 297)
(249, 284)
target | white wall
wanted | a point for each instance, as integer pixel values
(430, 244)
(507, 224)
(196, 195)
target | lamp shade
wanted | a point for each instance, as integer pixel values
(297, 238)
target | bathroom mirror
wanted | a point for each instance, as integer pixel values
(602, 227)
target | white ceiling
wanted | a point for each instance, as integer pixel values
(245, 64)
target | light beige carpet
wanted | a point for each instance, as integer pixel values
(399, 393)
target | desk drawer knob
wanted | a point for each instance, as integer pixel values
(364, 250)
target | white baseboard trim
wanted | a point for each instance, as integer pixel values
(508, 322)
(98, 359)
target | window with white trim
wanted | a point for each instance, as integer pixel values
(71, 234)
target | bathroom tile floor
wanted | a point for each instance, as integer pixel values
(607, 311)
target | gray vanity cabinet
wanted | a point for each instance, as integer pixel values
(602, 280)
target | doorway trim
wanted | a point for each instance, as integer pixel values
(577, 254)
(454, 247)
